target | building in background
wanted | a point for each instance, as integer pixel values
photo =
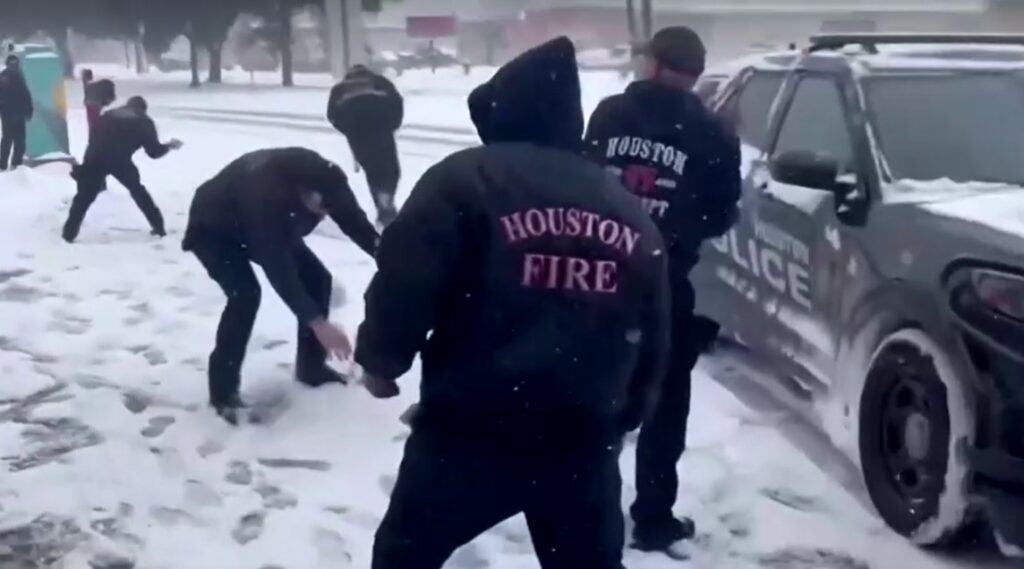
(491, 31)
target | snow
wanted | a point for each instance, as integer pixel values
(108, 452)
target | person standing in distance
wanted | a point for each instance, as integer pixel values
(684, 165)
(257, 210)
(120, 133)
(534, 288)
(16, 111)
(367, 108)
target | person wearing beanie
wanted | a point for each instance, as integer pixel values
(120, 133)
(367, 108)
(684, 165)
(534, 289)
(16, 111)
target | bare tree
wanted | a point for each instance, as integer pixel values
(631, 20)
(647, 18)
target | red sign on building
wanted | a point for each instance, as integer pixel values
(430, 27)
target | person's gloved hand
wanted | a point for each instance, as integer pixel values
(175, 144)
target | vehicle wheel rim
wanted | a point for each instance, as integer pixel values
(907, 440)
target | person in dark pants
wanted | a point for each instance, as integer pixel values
(257, 210)
(119, 135)
(15, 112)
(684, 165)
(534, 288)
(367, 108)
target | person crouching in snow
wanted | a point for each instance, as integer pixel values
(533, 286)
(120, 133)
(257, 210)
(368, 110)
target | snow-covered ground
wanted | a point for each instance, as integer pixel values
(109, 457)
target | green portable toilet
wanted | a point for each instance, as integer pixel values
(48, 130)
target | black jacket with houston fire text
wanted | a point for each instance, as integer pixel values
(119, 134)
(680, 159)
(532, 284)
(260, 201)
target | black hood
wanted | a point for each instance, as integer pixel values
(533, 98)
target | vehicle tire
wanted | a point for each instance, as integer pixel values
(915, 420)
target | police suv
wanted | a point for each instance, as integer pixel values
(878, 265)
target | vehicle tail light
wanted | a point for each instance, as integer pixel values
(1001, 292)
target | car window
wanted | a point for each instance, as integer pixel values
(962, 127)
(748, 108)
(816, 121)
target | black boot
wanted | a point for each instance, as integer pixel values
(319, 376)
(229, 410)
(661, 534)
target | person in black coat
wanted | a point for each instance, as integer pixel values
(368, 110)
(120, 133)
(535, 289)
(15, 112)
(684, 164)
(257, 210)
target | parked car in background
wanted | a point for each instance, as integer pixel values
(878, 266)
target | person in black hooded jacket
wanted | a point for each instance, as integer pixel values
(367, 108)
(15, 112)
(684, 164)
(535, 288)
(257, 210)
(118, 135)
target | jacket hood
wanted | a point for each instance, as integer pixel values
(534, 98)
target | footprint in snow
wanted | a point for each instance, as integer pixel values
(362, 519)
(15, 292)
(293, 463)
(170, 461)
(155, 356)
(15, 273)
(330, 546)
(792, 500)
(106, 560)
(810, 558)
(157, 426)
(210, 447)
(202, 495)
(136, 402)
(274, 498)
(249, 527)
(239, 473)
(173, 516)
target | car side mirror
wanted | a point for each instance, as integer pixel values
(807, 169)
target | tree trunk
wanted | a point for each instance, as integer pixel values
(284, 22)
(60, 38)
(193, 56)
(631, 21)
(647, 17)
(216, 63)
(140, 58)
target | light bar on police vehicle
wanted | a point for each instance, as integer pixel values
(871, 41)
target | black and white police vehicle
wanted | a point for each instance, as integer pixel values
(878, 265)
